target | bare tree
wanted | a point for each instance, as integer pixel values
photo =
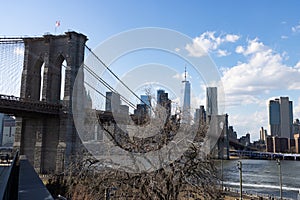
(191, 174)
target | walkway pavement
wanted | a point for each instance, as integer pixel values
(30, 185)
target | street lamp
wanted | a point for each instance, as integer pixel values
(222, 175)
(241, 180)
(60, 197)
(107, 192)
(280, 176)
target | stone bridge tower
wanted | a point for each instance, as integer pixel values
(49, 141)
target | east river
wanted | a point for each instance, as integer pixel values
(262, 177)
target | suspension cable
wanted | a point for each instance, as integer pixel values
(90, 50)
(103, 82)
(108, 86)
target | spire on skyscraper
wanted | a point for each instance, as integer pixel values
(184, 75)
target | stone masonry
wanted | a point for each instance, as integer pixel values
(49, 141)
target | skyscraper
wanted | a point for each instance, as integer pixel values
(159, 95)
(9, 129)
(146, 99)
(200, 115)
(281, 117)
(296, 126)
(274, 117)
(211, 101)
(186, 108)
(263, 134)
(164, 101)
(113, 102)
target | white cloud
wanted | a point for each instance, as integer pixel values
(296, 28)
(222, 53)
(264, 71)
(253, 47)
(231, 38)
(239, 49)
(298, 65)
(284, 37)
(232, 100)
(208, 42)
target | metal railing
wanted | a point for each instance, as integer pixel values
(17, 103)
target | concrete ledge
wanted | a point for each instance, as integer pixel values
(8, 178)
(4, 176)
(30, 185)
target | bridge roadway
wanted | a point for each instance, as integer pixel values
(23, 107)
(240, 146)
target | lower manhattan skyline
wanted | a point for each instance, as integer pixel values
(252, 44)
(116, 99)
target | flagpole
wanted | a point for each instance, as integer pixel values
(57, 24)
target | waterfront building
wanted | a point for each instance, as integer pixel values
(277, 144)
(200, 115)
(281, 117)
(8, 130)
(164, 102)
(113, 102)
(124, 110)
(263, 134)
(245, 140)
(274, 117)
(141, 113)
(232, 135)
(259, 145)
(160, 92)
(296, 126)
(146, 99)
(283, 145)
(141, 110)
(269, 144)
(291, 147)
(211, 101)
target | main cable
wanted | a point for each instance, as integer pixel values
(103, 82)
(90, 50)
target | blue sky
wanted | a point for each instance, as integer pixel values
(254, 44)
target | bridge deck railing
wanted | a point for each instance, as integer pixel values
(27, 104)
